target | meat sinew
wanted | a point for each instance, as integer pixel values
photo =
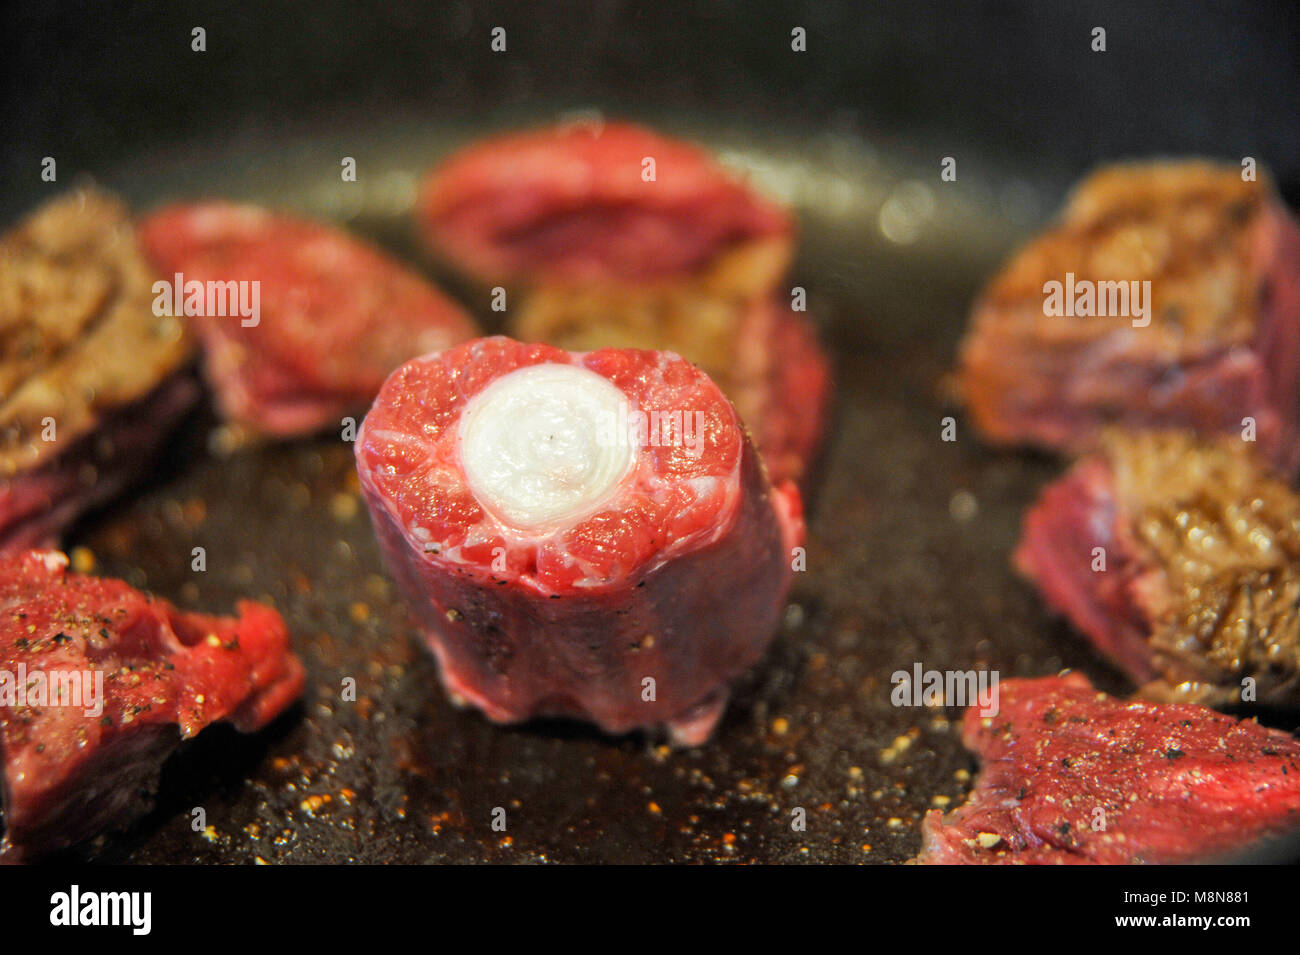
(1071, 775)
(91, 380)
(333, 316)
(1198, 598)
(99, 682)
(1219, 341)
(688, 261)
(581, 535)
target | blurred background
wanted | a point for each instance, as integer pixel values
(92, 84)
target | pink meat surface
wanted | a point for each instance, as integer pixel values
(680, 576)
(1071, 775)
(571, 203)
(70, 773)
(336, 315)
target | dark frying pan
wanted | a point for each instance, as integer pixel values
(910, 536)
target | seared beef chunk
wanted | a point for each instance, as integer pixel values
(1071, 775)
(77, 762)
(333, 315)
(1222, 257)
(91, 380)
(691, 261)
(1199, 598)
(561, 551)
(763, 355)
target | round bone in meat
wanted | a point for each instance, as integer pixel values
(540, 446)
(588, 535)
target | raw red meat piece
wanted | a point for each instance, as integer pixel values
(569, 203)
(336, 314)
(1223, 260)
(1199, 597)
(91, 380)
(166, 675)
(1071, 775)
(676, 569)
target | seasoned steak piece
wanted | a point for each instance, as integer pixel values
(574, 204)
(581, 535)
(1071, 775)
(1222, 257)
(91, 380)
(335, 316)
(690, 262)
(1199, 598)
(99, 682)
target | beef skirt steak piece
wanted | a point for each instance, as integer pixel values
(1219, 341)
(333, 316)
(690, 261)
(586, 535)
(1195, 591)
(99, 682)
(91, 380)
(1071, 775)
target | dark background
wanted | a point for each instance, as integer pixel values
(93, 83)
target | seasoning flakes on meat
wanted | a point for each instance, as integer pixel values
(1073, 776)
(99, 683)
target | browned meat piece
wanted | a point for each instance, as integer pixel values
(1070, 775)
(36, 505)
(1222, 257)
(1201, 586)
(91, 380)
(99, 682)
